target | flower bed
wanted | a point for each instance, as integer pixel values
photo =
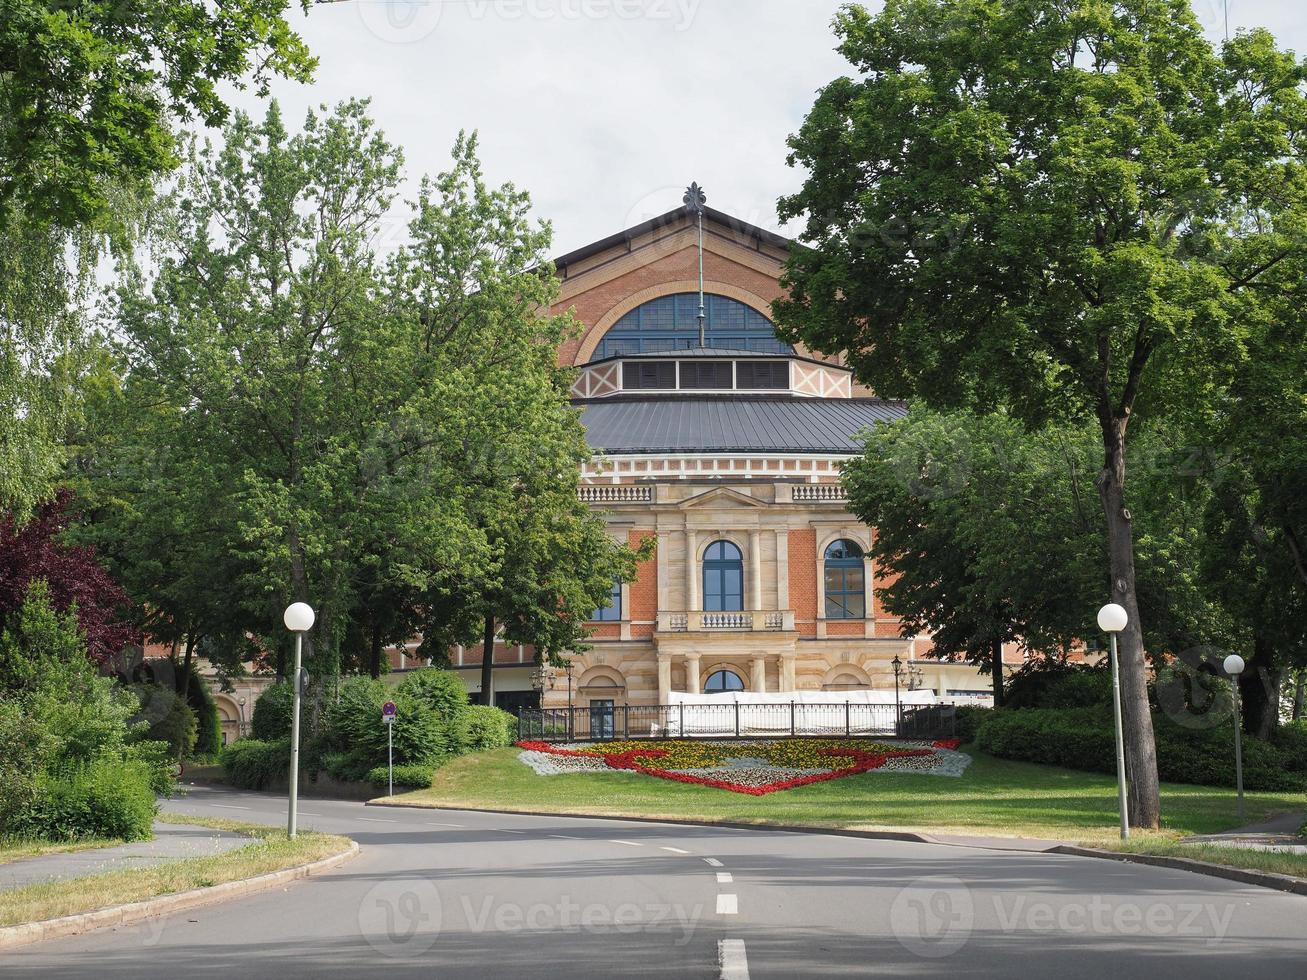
(753, 767)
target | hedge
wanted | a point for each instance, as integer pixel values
(272, 711)
(407, 777)
(1083, 738)
(254, 764)
(479, 727)
(110, 797)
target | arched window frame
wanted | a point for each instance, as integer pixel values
(844, 577)
(670, 323)
(728, 687)
(720, 558)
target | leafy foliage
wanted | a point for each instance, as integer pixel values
(272, 713)
(107, 798)
(406, 777)
(73, 580)
(478, 727)
(253, 764)
(170, 719)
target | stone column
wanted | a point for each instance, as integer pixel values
(758, 675)
(787, 672)
(661, 557)
(783, 568)
(691, 569)
(693, 684)
(664, 677)
(755, 570)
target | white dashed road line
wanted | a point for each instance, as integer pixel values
(503, 831)
(628, 843)
(675, 850)
(435, 823)
(375, 820)
(727, 905)
(228, 806)
(565, 837)
(713, 862)
(734, 962)
(724, 878)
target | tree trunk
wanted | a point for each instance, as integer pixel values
(374, 651)
(1298, 691)
(184, 687)
(487, 659)
(1137, 722)
(996, 668)
(1259, 691)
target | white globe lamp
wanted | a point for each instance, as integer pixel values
(1233, 665)
(1112, 618)
(298, 617)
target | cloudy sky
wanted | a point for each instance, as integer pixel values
(606, 109)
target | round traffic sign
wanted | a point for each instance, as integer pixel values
(388, 709)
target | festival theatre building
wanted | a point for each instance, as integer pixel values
(727, 453)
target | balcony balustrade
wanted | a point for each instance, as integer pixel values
(614, 493)
(712, 621)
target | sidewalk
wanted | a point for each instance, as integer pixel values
(170, 841)
(1279, 834)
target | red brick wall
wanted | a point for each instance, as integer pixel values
(803, 580)
(886, 624)
(851, 627)
(643, 591)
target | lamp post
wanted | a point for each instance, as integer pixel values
(897, 664)
(1112, 620)
(299, 620)
(1234, 667)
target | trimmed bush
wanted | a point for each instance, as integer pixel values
(169, 717)
(272, 711)
(440, 690)
(480, 726)
(408, 777)
(111, 798)
(969, 719)
(354, 739)
(1083, 738)
(253, 764)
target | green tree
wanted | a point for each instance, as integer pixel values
(92, 95)
(1057, 207)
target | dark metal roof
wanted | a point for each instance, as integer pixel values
(731, 423)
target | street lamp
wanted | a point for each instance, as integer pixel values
(299, 620)
(897, 664)
(1234, 667)
(1112, 620)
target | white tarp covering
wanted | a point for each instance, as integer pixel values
(785, 712)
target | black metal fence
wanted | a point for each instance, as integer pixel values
(730, 720)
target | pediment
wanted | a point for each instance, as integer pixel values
(721, 497)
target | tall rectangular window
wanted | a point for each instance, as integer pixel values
(612, 611)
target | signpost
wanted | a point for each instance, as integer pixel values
(388, 719)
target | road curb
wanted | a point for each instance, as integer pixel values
(1264, 879)
(150, 908)
(899, 835)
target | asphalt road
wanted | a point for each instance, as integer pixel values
(463, 894)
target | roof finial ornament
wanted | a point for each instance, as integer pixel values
(695, 199)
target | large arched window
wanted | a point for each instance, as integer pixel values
(845, 581)
(723, 578)
(671, 323)
(722, 682)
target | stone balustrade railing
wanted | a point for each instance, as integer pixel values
(716, 621)
(820, 491)
(615, 493)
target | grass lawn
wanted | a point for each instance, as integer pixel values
(994, 797)
(269, 850)
(12, 849)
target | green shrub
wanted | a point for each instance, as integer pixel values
(354, 737)
(407, 777)
(969, 718)
(440, 690)
(479, 727)
(169, 717)
(1083, 738)
(158, 759)
(272, 713)
(1054, 684)
(208, 723)
(110, 798)
(253, 764)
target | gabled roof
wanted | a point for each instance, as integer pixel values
(736, 225)
(668, 423)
